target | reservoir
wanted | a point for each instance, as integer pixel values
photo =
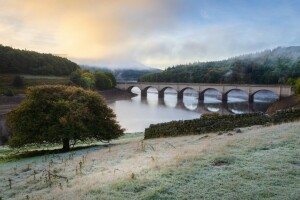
(137, 113)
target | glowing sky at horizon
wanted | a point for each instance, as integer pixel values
(155, 33)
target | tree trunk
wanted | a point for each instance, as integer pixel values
(66, 144)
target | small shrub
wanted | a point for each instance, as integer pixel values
(297, 86)
(18, 82)
(8, 92)
(132, 176)
(223, 160)
(210, 115)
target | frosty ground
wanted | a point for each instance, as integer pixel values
(259, 163)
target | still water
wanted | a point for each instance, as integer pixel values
(138, 113)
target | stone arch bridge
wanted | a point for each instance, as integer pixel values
(201, 88)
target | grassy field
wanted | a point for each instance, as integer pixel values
(6, 81)
(259, 163)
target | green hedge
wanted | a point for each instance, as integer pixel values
(286, 116)
(215, 122)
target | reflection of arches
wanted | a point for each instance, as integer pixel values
(161, 93)
(271, 95)
(212, 107)
(243, 93)
(190, 103)
(145, 90)
(181, 92)
(182, 105)
(239, 107)
(202, 93)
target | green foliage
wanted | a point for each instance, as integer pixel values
(57, 114)
(102, 81)
(124, 74)
(269, 67)
(18, 82)
(88, 79)
(83, 78)
(133, 75)
(98, 80)
(285, 116)
(76, 78)
(215, 122)
(8, 92)
(112, 78)
(30, 62)
(297, 86)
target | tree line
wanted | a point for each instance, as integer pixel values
(18, 61)
(93, 80)
(127, 74)
(278, 66)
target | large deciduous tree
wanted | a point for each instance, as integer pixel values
(60, 114)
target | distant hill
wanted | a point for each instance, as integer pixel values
(124, 74)
(280, 65)
(18, 61)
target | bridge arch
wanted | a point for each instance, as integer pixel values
(226, 94)
(161, 93)
(272, 95)
(181, 92)
(129, 89)
(144, 91)
(202, 93)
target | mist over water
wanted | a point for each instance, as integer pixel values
(138, 113)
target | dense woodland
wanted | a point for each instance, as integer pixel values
(278, 66)
(29, 62)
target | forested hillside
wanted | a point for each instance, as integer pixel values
(281, 65)
(29, 62)
(124, 74)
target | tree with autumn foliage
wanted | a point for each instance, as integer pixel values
(60, 114)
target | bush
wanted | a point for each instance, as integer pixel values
(98, 80)
(286, 116)
(18, 82)
(102, 81)
(297, 86)
(8, 92)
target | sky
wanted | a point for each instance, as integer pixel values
(152, 33)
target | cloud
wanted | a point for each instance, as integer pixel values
(88, 29)
(151, 32)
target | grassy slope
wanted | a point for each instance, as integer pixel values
(259, 163)
(6, 81)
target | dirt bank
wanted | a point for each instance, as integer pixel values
(114, 94)
(285, 103)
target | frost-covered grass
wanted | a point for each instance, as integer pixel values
(254, 168)
(259, 163)
(8, 154)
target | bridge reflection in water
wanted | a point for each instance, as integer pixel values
(237, 102)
